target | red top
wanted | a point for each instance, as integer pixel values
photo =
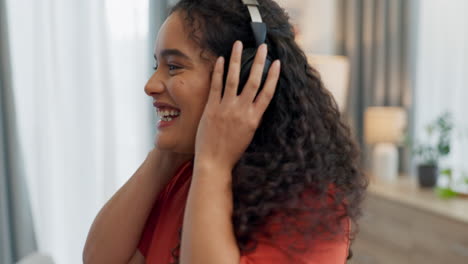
(160, 234)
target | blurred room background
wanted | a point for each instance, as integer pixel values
(75, 122)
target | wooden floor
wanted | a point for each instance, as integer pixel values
(392, 232)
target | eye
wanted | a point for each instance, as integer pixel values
(173, 67)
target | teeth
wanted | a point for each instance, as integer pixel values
(166, 113)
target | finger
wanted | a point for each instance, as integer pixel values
(266, 94)
(232, 80)
(255, 77)
(217, 81)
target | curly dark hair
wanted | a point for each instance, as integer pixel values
(301, 144)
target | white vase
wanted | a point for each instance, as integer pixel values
(385, 161)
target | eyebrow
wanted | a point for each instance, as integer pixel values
(172, 52)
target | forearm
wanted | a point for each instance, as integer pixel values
(208, 235)
(117, 228)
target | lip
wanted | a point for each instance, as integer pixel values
(162, 124)
(162, 105)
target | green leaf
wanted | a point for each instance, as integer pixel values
(465, 177)
(445, 193)
(429, 129)
(447, 172)
(444, 149)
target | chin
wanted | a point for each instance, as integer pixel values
(160, 144)
(173, 147)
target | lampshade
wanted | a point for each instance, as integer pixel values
(334, 71)
(384, 124)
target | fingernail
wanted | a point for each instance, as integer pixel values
(238, 45)
(264, 48)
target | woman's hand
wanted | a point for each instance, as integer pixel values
(228, 124)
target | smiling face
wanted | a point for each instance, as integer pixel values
(182, 79)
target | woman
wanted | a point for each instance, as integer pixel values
(235, 177)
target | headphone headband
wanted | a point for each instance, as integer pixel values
(252, 6)
(258, 27)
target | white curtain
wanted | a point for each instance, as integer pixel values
(85, 123)
(442, 76)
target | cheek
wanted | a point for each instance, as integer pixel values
(180, 83)
(190, 91)
(177, 83)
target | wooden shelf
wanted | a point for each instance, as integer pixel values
(406, 190)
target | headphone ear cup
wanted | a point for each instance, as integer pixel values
(248, 57)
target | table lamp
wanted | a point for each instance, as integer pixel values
(334, 71)
(384, 127)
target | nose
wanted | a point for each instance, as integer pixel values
(154, 85)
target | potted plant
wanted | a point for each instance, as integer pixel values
(429, 153)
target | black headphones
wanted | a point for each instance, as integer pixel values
(259, 30)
